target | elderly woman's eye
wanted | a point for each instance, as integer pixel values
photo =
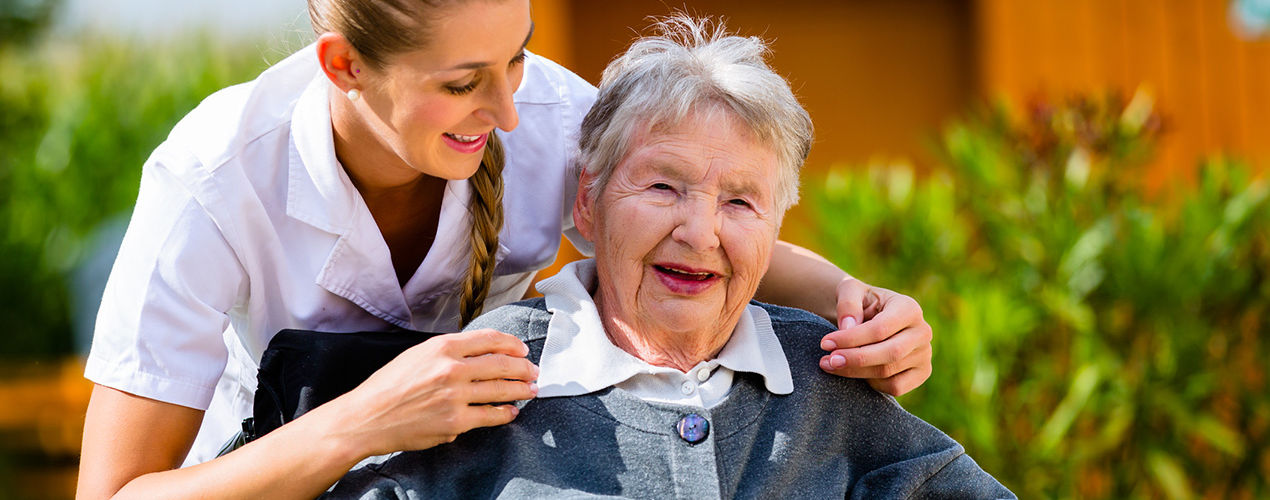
(739, 202)
(662, 186)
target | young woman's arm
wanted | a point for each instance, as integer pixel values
(882, 335)
(426, 396)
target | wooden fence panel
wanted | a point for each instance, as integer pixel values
(1210, 85)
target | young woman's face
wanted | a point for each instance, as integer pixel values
(436, 106)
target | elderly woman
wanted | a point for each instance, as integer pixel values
(659, 376)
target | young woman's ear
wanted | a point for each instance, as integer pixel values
(583, 207)
(340, 63)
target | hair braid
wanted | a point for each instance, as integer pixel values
(486, 206)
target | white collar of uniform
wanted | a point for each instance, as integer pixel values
(319, 192)
(544, 88)
(578, 358)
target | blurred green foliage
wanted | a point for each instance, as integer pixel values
(22, 21)
(1090, 341)
(79, 119)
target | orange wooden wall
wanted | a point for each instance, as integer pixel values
(1212, 88)
(877, 76)
(881, 76)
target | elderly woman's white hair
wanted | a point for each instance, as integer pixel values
(694, 64)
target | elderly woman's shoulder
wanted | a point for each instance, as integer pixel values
(795, 320)
(527, 319)
(799, 333)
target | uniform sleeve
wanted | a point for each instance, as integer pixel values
(159, 329)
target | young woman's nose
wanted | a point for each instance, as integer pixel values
(498, 108)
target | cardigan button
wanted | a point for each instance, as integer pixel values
(693, 428)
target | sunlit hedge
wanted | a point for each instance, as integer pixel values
(77, 120)
(1090, 341)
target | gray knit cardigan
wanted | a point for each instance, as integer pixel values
(833, 437)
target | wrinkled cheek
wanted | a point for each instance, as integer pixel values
(744, 284)
(750, 254)
(619, 263)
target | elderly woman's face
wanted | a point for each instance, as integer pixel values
(685, 227)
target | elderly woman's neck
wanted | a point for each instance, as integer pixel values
(657, 346)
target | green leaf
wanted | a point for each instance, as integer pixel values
(1060, 421)
(1170, 475)
(1220, 436)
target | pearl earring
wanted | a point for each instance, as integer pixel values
(354, 95)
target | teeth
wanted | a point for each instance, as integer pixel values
(464, 138)
(685, 273)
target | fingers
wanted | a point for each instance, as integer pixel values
(498, 366)
(899, 312)
(500, 391)
(843, 363)
(903, 382)
(487, 416)
(851, 294)
(445, 429)
(477, 342)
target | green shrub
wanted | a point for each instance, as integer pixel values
(21, 21)
(78, 121)
(1090, 341)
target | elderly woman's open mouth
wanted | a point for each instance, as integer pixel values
(684, 279)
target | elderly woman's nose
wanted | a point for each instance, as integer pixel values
(698, 227)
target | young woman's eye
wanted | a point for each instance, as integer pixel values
(520, 58)
(461, 89)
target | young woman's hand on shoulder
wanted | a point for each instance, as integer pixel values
(437, 390)
(426, 396)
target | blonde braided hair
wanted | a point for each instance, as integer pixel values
(486, 206)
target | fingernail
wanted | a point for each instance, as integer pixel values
(537, 370)
(533, 388)
(515, 410)
(837, 361)
(848, 322)
(828, 345)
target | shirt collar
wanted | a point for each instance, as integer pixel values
(319, 192)
(578, 358)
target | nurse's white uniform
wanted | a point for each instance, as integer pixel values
(246, 224)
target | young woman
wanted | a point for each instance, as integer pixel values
(358, 185)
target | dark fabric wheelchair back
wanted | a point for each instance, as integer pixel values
(302, 369)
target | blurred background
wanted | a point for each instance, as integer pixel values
(1073, 190)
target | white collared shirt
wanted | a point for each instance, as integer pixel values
(246, 225)
(578, 357)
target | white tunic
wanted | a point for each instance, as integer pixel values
(246, 225)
